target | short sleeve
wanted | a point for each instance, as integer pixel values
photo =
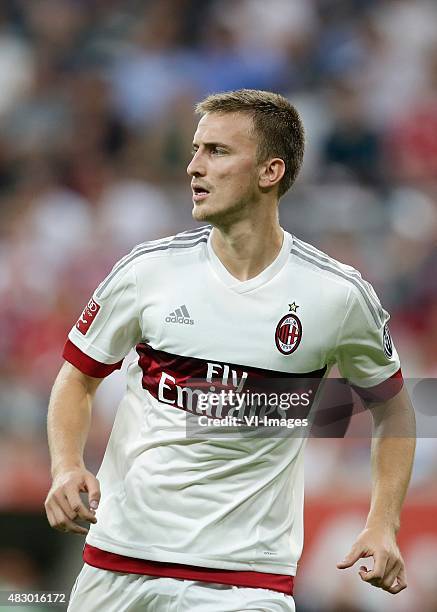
(108, 327)
(365, 353)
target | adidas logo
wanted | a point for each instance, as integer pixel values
(180, 315)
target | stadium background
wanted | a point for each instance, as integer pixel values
(96, 123)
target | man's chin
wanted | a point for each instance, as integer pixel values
(206, 213)
(201, 213)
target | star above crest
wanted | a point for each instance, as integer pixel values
(293, 307)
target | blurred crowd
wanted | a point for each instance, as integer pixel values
(96, 122)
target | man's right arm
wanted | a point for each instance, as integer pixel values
(68, 424)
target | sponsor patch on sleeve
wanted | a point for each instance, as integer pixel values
(387, 343)
(87, 316)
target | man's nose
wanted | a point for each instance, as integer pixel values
(196, 167)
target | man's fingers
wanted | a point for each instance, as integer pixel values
(77, 506)
(390, 575)
(73, 528)
(64, 505)
(62, 523)
(400, 586)
(59, 499)
(388, 571)
(401, 582)
(375, 575)
(363, 571)
(351, 558)
(93, 488)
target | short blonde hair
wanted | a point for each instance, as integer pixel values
(276, 122)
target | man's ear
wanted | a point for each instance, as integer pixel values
(271, 173)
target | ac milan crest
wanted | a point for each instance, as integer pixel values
(288, 334)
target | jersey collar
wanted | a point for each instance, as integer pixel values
(257, 281)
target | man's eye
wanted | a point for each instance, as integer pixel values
(218, 151)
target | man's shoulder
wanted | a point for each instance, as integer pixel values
(333, 274)
(317, 260)
(181, 242)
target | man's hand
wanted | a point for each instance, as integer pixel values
(64, 506)
(388, 571)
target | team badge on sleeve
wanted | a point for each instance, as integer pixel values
(87, 316)
(288, 334)
(386, 340)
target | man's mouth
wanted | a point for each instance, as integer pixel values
(199, 193)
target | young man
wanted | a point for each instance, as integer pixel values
(216, 524)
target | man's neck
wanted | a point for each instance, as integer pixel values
(248, 247)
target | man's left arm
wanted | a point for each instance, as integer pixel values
(392, 454)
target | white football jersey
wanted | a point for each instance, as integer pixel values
(230, 502)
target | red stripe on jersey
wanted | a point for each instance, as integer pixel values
(383, 391)
(119, 563)
(152, 361)
(177, 380)
(87, 364)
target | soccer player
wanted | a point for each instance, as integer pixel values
(215, 524)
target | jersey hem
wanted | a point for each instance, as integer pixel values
(249, 579)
